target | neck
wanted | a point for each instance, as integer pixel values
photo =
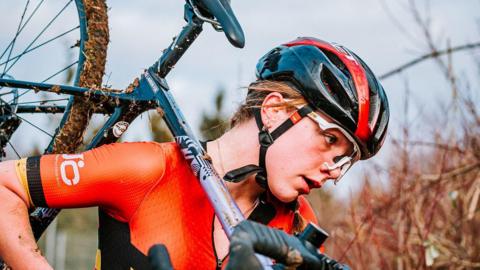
(236, 148)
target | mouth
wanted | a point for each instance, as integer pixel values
(311, 184)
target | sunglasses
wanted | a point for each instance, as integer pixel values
(343, 162)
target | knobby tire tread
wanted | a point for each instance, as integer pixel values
(70, 135)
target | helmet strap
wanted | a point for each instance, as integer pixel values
(265, 139)
(242, 173)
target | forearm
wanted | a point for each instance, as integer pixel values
(17, 244)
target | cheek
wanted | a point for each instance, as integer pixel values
(293, 154)
(297, 149)
(284, 189)
(286, 154)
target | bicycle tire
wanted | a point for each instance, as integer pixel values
(91, 38)
(69, 135)
(75, 119)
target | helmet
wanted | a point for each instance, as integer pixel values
(336, 82)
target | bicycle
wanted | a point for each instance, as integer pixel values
(87, 97)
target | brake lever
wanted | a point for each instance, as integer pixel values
(220, 15)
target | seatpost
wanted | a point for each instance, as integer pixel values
(180, 43)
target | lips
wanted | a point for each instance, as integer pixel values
(312, 183)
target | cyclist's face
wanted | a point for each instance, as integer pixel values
(296, 161)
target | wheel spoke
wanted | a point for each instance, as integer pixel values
(23, 26)
(38, 36)
(15, 38)
(32, 124)
(26, 121)
(6, 93)
(40, 45)
(60, 71)
(14, 150)
(10, 101)
(39, 101)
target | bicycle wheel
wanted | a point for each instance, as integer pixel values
(58, 42)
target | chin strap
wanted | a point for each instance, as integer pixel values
(265, 139)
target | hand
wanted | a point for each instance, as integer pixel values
(250, 237)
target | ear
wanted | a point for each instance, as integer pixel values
(273, 116)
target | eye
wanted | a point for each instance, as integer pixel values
(330, 138)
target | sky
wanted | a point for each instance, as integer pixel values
(382, 32)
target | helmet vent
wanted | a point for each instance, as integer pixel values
(337, 62)
(336, 90)
(271, 61)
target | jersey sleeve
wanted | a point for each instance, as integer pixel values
(115, 177)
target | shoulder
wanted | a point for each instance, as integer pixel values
(284, 214)
(142, 151)
(143, 147)
(302, 206)
(142, 157)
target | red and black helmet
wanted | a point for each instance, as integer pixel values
(336, 82)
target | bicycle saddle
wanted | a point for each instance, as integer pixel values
(223, 13)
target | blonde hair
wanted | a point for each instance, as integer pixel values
(257, 91)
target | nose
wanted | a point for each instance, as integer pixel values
(332, 171)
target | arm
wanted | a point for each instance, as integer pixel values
(115, 177)
(17, 244)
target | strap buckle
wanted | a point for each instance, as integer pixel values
(265, 138)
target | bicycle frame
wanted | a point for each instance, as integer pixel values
(151, 92)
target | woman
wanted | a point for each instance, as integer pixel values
(315, 109)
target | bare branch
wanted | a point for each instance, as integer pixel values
(434, 54)
(458, 171)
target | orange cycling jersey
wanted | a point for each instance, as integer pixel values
(147, 194)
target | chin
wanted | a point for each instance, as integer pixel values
(287, 198)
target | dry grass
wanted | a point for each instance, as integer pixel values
(429, 217)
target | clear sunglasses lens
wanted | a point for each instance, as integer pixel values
(345, 168)
(325, 125)
(344, 164)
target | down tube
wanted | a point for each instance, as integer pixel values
(225, 207)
